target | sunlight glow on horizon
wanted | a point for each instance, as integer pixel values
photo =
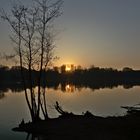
(100, 33)
(68, 68)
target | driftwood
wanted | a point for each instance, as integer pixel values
(132, 109)
(70, 114)
(61, 111)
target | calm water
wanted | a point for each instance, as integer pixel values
(102, 102)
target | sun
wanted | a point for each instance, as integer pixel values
(68, 68)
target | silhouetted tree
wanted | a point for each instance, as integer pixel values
(127, 69)
(63, 69)
(33, 38)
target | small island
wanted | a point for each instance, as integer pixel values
(86, 126)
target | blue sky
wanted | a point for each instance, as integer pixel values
(103, 33)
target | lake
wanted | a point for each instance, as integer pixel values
(102, 102)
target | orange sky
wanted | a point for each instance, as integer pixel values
(104, 33)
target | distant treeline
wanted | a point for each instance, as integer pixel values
(93, 77)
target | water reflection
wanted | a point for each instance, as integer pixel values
(127, 86)
(64, 87)
(68, 88)
(2, 95)
(36, 137)
(103, 102)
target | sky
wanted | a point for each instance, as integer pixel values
(104, 33)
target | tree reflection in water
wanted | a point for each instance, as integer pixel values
(2, 95)
(69, 88)
(36, 137)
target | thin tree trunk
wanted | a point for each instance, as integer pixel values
(41, 63)
(21, 67)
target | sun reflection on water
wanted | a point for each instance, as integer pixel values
(69, 88)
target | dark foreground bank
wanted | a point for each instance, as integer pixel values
(84, 127)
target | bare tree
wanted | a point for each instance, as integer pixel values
(34, 46)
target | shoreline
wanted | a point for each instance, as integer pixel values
(85, 127)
